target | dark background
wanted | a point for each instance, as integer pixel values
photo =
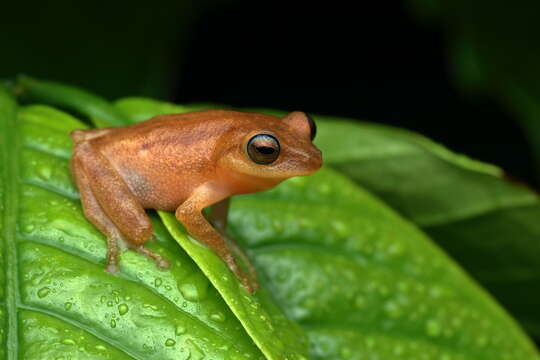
(365, 60)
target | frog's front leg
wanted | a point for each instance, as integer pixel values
(110, 205)
(219, 215)
(190, 214)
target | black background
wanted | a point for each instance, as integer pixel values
(365, 60)
(369, 60)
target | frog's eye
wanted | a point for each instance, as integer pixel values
(312, 127)
(263, 149)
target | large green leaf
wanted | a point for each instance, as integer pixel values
(362, 281)
(279, 338)
(454, 199)
(57, 300)
(359, 279)
(470, 209)
(494, 51)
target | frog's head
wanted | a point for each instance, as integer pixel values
(271, 150)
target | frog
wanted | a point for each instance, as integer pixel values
(185, 163)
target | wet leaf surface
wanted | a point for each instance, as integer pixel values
(55, 293)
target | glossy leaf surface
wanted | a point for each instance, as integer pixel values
(357, 277)
(484, 221)
(56, 298)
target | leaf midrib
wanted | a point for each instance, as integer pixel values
(11, 175)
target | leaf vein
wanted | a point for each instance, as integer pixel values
(84, 327)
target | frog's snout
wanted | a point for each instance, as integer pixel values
(311, 162)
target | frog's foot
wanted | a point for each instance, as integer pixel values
(113, 254)
(250, 283)
(160, 261)
(250, 276)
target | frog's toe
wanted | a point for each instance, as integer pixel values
(163, 263)
(160, 261)
(112, 268)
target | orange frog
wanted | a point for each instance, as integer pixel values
(184, 163)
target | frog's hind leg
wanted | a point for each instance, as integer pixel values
(96, 216)
(117, 204)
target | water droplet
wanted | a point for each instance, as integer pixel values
(481, 341)
(102, 299)
(123, 309)
(392, 309)
(158, 282)
(398, 350)
(360, 302)
(219, 317)
(194, 288)
(433, 328)
(101, 347)
(68, 306)
(68, 342)
(29, 228)
(170, 342)
(340, 228)
(395, 249)
(44, 172)
(150, 306)
(346, 353)
(110, 303)
(113, 323)
(180, 330)
(44, 291)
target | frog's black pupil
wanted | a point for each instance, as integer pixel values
(265, 150)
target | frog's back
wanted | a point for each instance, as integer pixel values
(165, 158)
(180, 129)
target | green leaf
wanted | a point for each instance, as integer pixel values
(72, 98)
(276, 336)
(456, 200)
(485, 222)
(56, 298)
(361, 280)
(369, 283)
(357, 277)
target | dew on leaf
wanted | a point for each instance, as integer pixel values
(170, 342)
(123, 309)
(44, 172)
(218, 317)
(44, 291)
(194, 288)
(180, 330)
(433, 328)
(68, 342)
